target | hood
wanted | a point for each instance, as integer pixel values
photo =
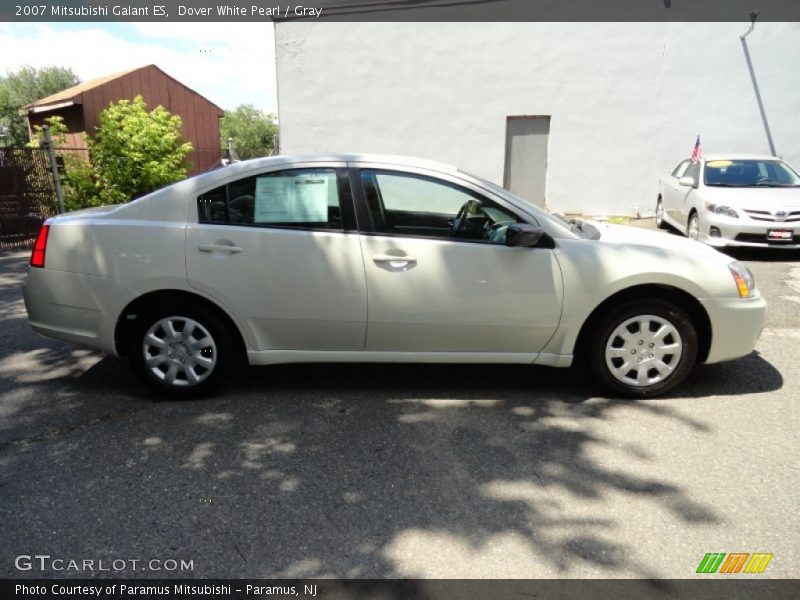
(644, 238)
(754, 198)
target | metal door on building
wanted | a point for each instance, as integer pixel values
(525, 175)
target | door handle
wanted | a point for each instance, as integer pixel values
(220, 248)
(394, 262)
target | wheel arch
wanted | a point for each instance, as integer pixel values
(127, 318)
(674, 295)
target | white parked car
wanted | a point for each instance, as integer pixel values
(732, 200)
(355, 258)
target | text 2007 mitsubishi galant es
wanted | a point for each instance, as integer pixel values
(358, 258)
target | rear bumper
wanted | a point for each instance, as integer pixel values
(736, 325)
(76, 308)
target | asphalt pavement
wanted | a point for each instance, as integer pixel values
(397, 471)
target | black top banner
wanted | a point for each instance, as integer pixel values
(399, 10)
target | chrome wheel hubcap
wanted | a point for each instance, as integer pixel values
(179, 351)
(659, 212)
(643, 350)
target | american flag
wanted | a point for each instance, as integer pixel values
(698, 151)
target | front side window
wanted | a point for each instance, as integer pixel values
(297, 198)
(680, 169)
(419, 206)
(693, 171)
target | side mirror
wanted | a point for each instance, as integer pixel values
(686, 181)
(523, 235)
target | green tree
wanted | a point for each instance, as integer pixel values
(23, 87)
(135, 151)
(254, 132)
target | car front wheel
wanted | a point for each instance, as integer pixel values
(660, 223)
(644, 348)
(693, 227)
(181, 352)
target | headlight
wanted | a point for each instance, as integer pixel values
(745, 282)
(721, 209)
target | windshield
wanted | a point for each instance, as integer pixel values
(750, 173)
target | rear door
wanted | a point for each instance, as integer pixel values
(439, 284)
(280, 249)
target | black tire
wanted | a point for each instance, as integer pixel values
(693, 218)
(660, 222)
(608, 324)
(223, 351)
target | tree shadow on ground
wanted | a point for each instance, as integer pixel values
(364, 471)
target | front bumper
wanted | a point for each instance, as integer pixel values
(744, 232)
(736, 325)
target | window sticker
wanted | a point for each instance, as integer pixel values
(292, 198)
(716, 164)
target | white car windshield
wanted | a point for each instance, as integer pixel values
(750, 173)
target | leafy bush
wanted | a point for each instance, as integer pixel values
(133, 153)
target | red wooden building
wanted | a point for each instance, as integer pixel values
(81, 105)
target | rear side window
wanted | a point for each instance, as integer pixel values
(297, 198)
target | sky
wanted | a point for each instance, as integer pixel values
(228, 63)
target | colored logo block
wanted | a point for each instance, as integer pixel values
(734, 562)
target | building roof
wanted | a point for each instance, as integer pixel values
(74, 94)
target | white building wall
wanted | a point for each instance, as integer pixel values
(626, 99)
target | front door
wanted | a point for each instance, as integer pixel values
(440, 277)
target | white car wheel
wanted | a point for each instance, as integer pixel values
(179, 351)
(644, 348)
(693, 228)
(182, 351)
(660, 214)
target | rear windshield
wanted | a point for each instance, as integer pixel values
(750, 173)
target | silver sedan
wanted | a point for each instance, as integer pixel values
(733, 200)
(360, 258)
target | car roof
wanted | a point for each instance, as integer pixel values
(288, 159)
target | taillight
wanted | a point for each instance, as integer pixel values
(37, 258)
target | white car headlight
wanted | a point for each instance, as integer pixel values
(745, 282)
(721, 209)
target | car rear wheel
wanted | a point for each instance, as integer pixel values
(644, 348)
(660, 223)
(182, 351)
(693, 227)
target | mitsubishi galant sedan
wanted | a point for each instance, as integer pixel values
(355, 258)
(733, 200)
